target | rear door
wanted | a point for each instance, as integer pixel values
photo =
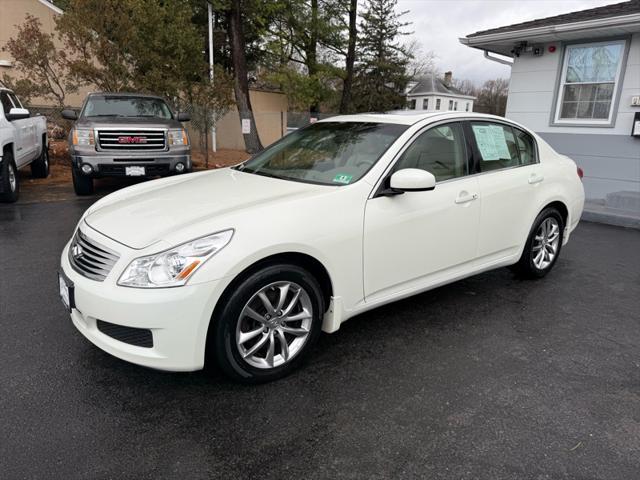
(509, 175)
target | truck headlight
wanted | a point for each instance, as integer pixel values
(173, 267)
(178, 137)
(83, 136)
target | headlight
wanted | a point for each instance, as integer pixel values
(83, 136)
(178, 137)
(173, 267)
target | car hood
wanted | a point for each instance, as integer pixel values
(203, 202)
(127, 122)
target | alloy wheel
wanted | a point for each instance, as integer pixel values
(274, 325)
(545, 243)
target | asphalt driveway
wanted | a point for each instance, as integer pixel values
(491, 378)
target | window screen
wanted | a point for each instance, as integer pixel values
(440, 151)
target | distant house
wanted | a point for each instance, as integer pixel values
(433, 93)
(575, 80)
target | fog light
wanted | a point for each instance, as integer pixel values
(179, 167)
(86, 169)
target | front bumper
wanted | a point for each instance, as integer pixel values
(178, 318)
(155, 163)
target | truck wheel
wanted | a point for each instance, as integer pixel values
(40, 166)
(10, 187)
(82, 184)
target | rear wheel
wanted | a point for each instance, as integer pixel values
(543, 245)
(82, 184)
(40, 166)
(267, 326)
(9, 178)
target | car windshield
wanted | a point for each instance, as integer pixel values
(126, 106)
(327, 153)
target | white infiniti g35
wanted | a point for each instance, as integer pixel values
(246, 265)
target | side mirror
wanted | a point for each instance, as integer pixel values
(183, 117)
(69, 114)
(412, 180)
(17, 114)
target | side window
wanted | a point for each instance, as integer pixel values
(526, 147)
(497, 146)
(6, 102)
(15, 100)
(440, 150)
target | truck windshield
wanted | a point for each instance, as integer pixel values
(126, 106)
(327, 153)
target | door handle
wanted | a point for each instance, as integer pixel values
(535, 178)
(464, 197)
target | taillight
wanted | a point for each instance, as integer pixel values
(580, 173)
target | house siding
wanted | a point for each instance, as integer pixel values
(609, 156)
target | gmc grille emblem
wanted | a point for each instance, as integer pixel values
(132, 139)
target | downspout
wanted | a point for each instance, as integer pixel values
(495, 59)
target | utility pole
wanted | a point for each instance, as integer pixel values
(214, 143)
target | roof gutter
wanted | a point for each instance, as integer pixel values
(621, 21)
(496, 59)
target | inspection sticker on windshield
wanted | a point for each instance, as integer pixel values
(342, 178)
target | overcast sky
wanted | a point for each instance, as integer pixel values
(437, 25)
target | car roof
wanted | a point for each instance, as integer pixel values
(410, 117)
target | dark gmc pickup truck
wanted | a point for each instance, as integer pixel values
(126, 134)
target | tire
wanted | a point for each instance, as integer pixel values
(40, 166)
(249, 361)
(82, 184)
(543, 245)
(10, 187)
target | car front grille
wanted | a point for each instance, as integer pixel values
(140, 337)
(89, 258)
(150, 170)
(138, 140)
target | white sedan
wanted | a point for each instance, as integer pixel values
(246, 265)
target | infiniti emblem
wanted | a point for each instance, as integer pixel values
(76, 250)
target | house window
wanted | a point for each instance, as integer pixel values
(412, 104)
(450, 104)
(466, 107)
(437, 104)
(455, 105)
(590, 75)
(425, 104)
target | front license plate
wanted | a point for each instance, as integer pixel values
(134, 171)
(66, 292)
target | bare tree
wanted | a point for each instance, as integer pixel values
(345, 101)
(241, 75)
(42, 66)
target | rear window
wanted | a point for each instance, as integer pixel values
(502, 146)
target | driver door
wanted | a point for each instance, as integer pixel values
(416, 239)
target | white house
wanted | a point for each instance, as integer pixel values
(433, 93)
(575, 80)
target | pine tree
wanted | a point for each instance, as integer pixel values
(382, 66)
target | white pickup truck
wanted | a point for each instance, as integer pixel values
(23, 141)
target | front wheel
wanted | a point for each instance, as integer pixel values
(82, 184)
(267, 326)
(543, 245)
